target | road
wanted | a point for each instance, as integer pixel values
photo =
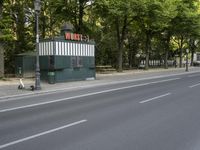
(153, 114)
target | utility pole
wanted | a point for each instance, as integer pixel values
(37, 70)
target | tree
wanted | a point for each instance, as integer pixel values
(51, 18)
(118, 14)
(1, 45)
(5, 34)
(16, 29)
(185, 25)
(154, 19)
(72, 11)
(120, 28)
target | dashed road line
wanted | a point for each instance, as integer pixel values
(195, 85)
(154, 98)
(41, 134)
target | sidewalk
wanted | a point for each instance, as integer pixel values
(9, 88)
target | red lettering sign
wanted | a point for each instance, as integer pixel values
(67, 36)
(76, 37)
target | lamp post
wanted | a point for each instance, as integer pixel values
(37, 7)
(187, 51)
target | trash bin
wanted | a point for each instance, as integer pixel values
(51, 77)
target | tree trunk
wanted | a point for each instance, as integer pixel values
(20, 30)
(43, 25)
(51, 25)
(147, 49)
(131, 58)
(119, 45)
(181, 53)
(192, 58)
(166, 58)
(1, 45)
(1, 8)
(120, 40)
(167, 50)
(1, 60)
(80, 17)
(181, 58)
(120, 58)
(192, 49)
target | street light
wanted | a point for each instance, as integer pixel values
(37, 7)
(187, 51)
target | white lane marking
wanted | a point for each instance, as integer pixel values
(41, 134)
(85, 95)
(154, 98)
(194, 85)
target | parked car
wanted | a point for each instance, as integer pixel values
(196, 63)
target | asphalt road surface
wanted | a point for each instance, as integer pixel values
(155, 114)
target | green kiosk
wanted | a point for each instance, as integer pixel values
(66, 58)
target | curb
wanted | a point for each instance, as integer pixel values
(35, 93)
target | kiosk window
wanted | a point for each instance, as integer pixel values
(77, 62)
(51, 62)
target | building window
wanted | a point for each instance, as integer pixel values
(77, 62)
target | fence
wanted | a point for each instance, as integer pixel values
(156, 63)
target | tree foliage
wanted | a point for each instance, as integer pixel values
(122, 29)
